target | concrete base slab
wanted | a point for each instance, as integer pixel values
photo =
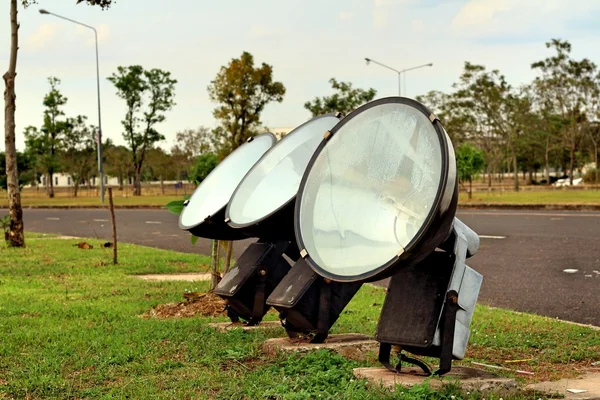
(350, 345)
(227, 326)
(467, 378)
(174, 277)
(585, 387)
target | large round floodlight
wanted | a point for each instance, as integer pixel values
(379, 193)
(204, 213)
(263, 203)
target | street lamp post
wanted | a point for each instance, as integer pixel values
(399, 72)
(99, 138)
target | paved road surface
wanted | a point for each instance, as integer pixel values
(522, 257)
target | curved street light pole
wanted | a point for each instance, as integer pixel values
(99, 138)
(399, 72)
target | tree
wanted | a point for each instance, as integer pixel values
(189, 144)
(567, 86)
(137, 87)
(79, 148)
(118, 163)
(160, 166)
(204, 165)
(501, 111)
(16, 237)
(243, 92)
(53, 130)
(469, 162)
(345, 100)
(24, 166)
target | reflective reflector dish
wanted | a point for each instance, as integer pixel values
(203, 215)
(379, 193)
(263, 203)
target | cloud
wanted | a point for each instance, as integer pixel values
(510, 18)
(41, 37)
(260, 30)
(346, 16)
(103, 34)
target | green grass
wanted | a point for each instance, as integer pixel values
(71, 327)
(508, 197)
(535, 197)
(152, 200)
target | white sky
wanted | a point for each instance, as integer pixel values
(307, 42)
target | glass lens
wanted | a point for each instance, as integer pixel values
(276, 178)
(215, 191)
(370, 189)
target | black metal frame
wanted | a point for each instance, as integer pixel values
(308, 304)
(258, 271)
(438, 222)
(214, 226)
(405, 308)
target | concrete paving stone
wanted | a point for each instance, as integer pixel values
(174, 277)
(227, 326)
(585, 387)
(353, 346)
(467, 378)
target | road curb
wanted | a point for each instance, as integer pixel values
(465, 206)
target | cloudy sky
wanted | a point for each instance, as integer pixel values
(306, 41)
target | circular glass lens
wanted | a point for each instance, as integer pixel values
(275, 180)
(215, 191)
(370, 189)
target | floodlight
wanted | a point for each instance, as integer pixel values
(262, 206)
(263, 203)
(377, 199)
(203, 214)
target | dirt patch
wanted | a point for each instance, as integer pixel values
(174, 277)
(206, 304)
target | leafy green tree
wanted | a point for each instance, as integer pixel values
(16, 232)
(345, 100)
(46, 143)
(568, 86)
(242, 91)
(78, 151)
(25, 164)
(469, 163)
(189, 144)
(118, 163)
(148, 94)
(204, 164)
(160, 166)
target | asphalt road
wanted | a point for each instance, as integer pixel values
(522, 257)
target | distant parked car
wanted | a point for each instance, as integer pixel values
(565, 182)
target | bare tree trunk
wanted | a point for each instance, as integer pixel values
(16, 236)
(516, 170)
(228, 256)
(114, 224)
(470, 188)
(120, 179)
(162, 185)
(137, 181)
(213, 264)
(597, 166)
(75, 188)
(571, 163)
(547, 159)
(50, 186)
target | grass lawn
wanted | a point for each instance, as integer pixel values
(540, 197)
(78, 201)
(71, 326)
(508, 197)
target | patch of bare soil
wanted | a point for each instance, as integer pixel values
(205, 304)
